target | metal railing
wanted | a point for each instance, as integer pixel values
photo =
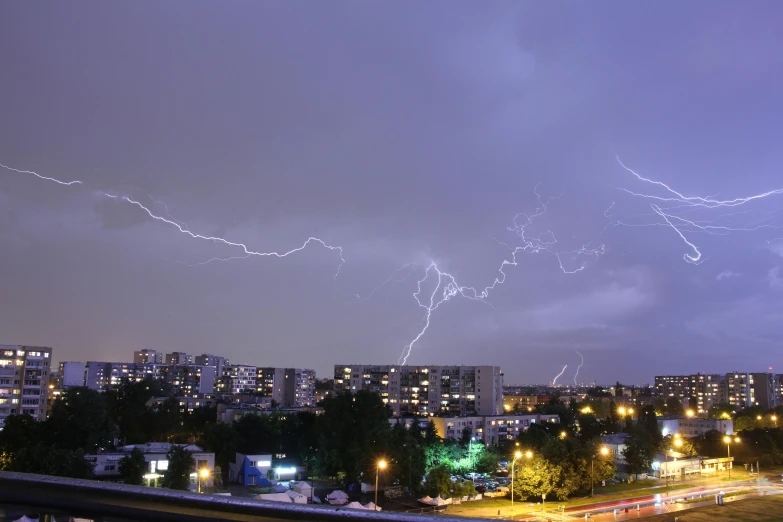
(23, 493)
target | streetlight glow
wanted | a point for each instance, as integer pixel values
(529, 454)
(678, 442)
(621, 411)
(518, 454)
(604, 451)
(690, 413)
(382, 464)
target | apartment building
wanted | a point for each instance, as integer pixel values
(154, 371)
(102, 376)
(288, 387)
(704, 389)
(191, 380)
(427, 390)
(147, 356)
(212, 360)
(24, 381)
(70, 374)
(178, 358)
(238, 379)
(693, 426)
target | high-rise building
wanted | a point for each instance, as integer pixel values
(71, 374)
(238, 379)
(178, 358)
(212, 360)
(102, 376)
(24, 381)
(190, 380)
(702, 389)
(427, 390)
(147, 356)
(288, 387)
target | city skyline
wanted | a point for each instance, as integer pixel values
(399, 138)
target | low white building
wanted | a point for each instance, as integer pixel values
(486, 429)
(616, 444)
(106, 465)
(694, 426)
(672, 464)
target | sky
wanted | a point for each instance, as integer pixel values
(405, 133)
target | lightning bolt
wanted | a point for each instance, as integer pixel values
(578, 367)
(408, 266)
(40, 176)
(447, 286)
(184, 230)
(554, 381)
(675, 200)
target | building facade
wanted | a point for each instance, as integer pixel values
(70, 374)
(24, 381)
(238, 379)
(147, 356)
(191, 380)
(694, 426)
(703, 389)
(212, 360)
(102, 376)
(427, 390)
(178, 358)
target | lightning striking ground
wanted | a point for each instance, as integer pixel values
(554, 381)
(446, 285)
(578, 367)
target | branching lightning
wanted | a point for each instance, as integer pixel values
(554, 381)
(578, 367)
(447, 287)
(41, 177)
(676, 201)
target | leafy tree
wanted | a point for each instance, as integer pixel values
(132, 467)
(721, 411)
(196, 421)
(221, 439)
(674, 406)
(78, 420)
(487, 461)
(438, 482)
(181, 465)
(536, 478)
(649, 421)
(639, 451)
(618, 389)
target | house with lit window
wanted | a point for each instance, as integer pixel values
(106, 465)
(262, 470)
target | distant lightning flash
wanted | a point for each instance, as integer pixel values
(554, 381)
(217, 239)
(187, 231)
(676, 202)
(447, 287)
(40, 176)
(578, 367)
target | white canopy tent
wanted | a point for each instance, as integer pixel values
(275, 497)
(304, 488)
(337, 497)
(355, 505)
(296, 498)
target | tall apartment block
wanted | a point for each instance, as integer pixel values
(179, 358)
(741, 390)
(24, 381)
(705, 389)
(212, 360)
(238, 379)
(71, 374)
(105, 375)
(191, 380)
(427, 390)
(289, 387)
(147, 356)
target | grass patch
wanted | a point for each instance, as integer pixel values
(759, 509)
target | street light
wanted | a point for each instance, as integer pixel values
(728, 442)
(603, 451)
(775, 420)
(381, 465)
(690, 413)
(677, 442)
(202, 474)
(517, 455)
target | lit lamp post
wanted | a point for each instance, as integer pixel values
(677, 443)
(603, 451)
(381, 465)
(775, 420)
(203, 474)
(517, 455)
(690, 413)
(728, 440)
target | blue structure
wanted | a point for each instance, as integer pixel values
(250, 470)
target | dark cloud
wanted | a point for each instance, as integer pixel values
(404, 132)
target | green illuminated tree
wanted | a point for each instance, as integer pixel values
(181, 464)
(537, 477)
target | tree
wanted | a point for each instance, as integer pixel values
(639, 451)
(438, 482)
(537, 478)
(649, 421)
(618, 389)
(674, 406)
(132, 467)
(181, 464)
(221, 440)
